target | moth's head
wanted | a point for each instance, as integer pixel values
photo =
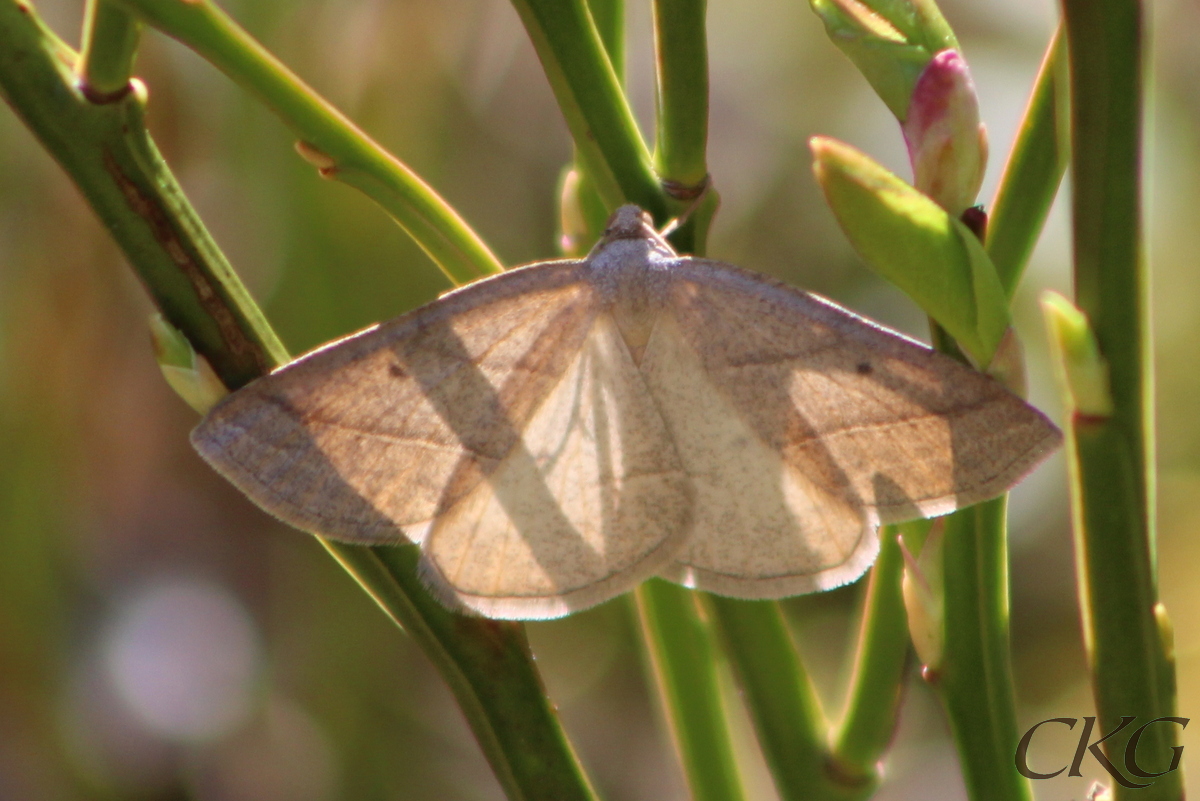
(629, 222)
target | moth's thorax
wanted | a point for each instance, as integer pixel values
(631, 274)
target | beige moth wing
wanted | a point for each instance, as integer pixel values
(805, 426)
(591, 502)
(497, 426)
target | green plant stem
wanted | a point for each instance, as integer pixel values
(109, 156)
(589, 93)
(328, 139)
(877, 683)
(107, 152)
(684, 662)
(586, 206)
(489, 668)
(110, 40)
(780, 697)
(681, 47)
(1112, 460)
(1033, 173)
(609, 17)
(787, 716)
(975, 678)
(680, 155)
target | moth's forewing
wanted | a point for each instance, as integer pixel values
(504, 425)
(828, 425)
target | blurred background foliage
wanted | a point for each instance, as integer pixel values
(160, 638)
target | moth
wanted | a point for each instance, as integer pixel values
(554, 435)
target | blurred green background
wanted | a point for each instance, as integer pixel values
(160, 638)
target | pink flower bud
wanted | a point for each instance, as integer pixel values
(947, 144)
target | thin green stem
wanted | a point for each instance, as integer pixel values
(328, 139)
(680, 156)
(105, 149)
(877, 682)
(684, 661)
(780, 697)
(975, 678)
(1112, 459)
(1034, 170)
(110, 40)
(681, 48)
(609, 17)
(488, 666)
(584, 210)
(595, 108)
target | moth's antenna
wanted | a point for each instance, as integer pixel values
(695, 193)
